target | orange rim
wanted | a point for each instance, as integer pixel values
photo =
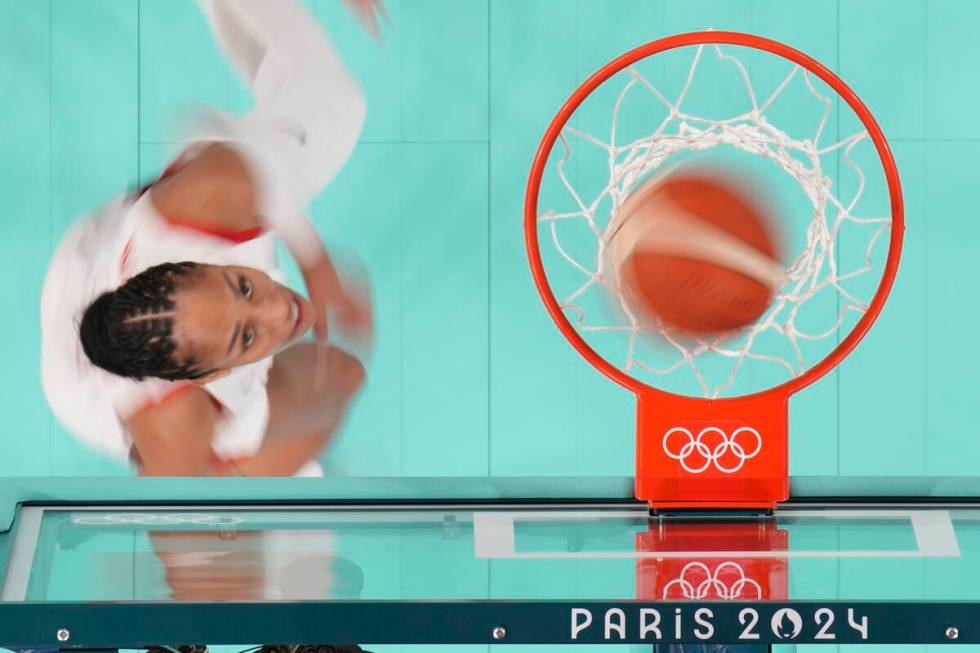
(714, 38)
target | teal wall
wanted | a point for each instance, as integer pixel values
(469, 375)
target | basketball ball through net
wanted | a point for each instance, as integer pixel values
(693, 252)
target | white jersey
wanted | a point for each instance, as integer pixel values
(98, 255)
(308, 114)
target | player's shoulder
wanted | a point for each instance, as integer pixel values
(214, 188)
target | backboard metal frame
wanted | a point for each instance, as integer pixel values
(134, 624)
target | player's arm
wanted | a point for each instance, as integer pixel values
(173, 437)
(308, 114)
(213, 190)
(308, 109)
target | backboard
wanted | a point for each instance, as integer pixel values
(723, 441)
(505, 566)
(467, 369)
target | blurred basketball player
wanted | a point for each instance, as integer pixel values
(167, 335)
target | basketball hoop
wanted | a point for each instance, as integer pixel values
(713, 450)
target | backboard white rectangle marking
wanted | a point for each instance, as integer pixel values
(495, 539)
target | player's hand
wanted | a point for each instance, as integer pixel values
(367, 12)
(325, 290)
(345, 303)
(352, 314)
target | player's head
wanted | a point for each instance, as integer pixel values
(191, 321)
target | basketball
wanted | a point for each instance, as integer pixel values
(694, 252)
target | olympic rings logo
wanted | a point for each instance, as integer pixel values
(728, 445)
(151, 519)
(697, 581)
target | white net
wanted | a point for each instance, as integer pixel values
(811, 162)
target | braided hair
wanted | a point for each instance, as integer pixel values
(129, 331)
